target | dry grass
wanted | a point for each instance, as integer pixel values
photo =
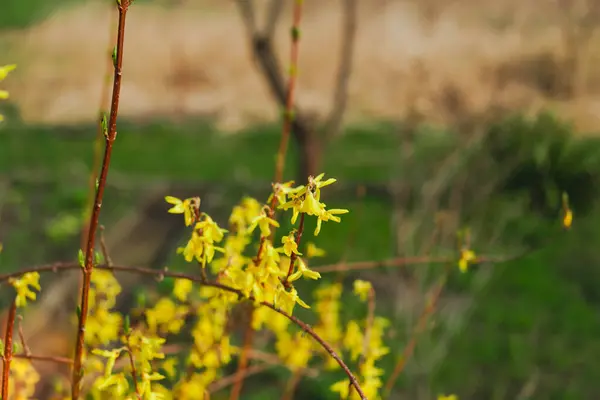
(441, 59)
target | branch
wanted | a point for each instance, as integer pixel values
(110, 133)
(399, 262)
(52, 359)
(161, 274)
(8, 348)
(289, 101)
(340, 94)
(419, 328)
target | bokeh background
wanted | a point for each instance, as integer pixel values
(433, 115)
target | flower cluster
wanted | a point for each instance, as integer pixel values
(237, 264)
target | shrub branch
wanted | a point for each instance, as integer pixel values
(110, 133)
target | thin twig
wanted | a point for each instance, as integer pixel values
(110, 133)
(51, 359)
(104, 248)
(340, 94)
(402, 261)
(419, 328)
(133, 369)
(26, 348)
(229, 380)
(292, 385)
(8, 348)
(289, 103)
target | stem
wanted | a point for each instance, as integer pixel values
(289, 103)
(419, 328)
(8, 348)
(294, 256)
(77, 376)
(133, 370)
(52, 359)
(236, 390)
(102, 106)
(292, 385)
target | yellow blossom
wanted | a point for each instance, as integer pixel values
(23, 287)
(466, 257)
(182, 207)
(447, 397)
(362, 289)
(313, 251)
(264, 223)
(329, 215)
(182, 289)
(289, 245)
(303, 270)
(568, 218)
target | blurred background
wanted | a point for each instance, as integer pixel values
(434, 116)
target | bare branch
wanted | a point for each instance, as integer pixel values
(273, 15)
(344, 71)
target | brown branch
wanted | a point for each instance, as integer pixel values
(102, 106)
(22, 335)
(198, 279)
(8, 348)
(274, 12)
(292, 385)
(289, 102)
(231, 379)
(133, 369)
(419, 328)
(52, 359)
(111, 134)
(340, 94)
(244, 360)
(400, 262)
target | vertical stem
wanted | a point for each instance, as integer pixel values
(8, 348)
(294, 256)
(289, 103)
(102, 106)
(133, 369)
(419, 328)
(111, 134)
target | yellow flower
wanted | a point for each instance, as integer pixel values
(264, 223)
(287, 300)
(342, 387)
(329, 215)
(22, 286)
(313, 251)
(182, 207)
(303, 270)
(5, 70)
(182, 289)
(170, 367)
(466, 257)
(568, 218)
(289, 245)
(447, 397)
(362, 289)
